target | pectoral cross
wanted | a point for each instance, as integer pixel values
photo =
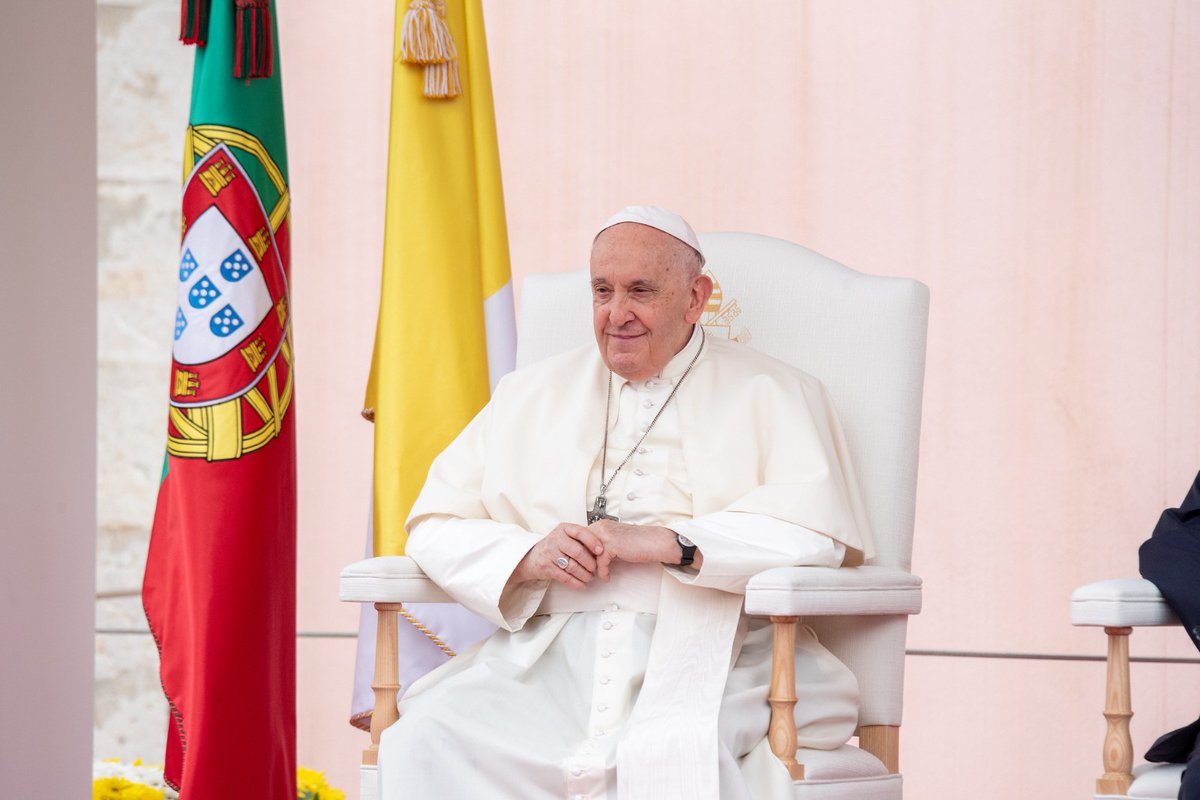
(598, 510)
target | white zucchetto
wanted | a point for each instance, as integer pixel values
(659, 218)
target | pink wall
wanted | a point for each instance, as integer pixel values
(1038, 165)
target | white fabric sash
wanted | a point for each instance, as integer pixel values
(633, 587)
(669, 748)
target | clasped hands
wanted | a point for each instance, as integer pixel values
(589, 551)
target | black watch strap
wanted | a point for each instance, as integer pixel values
(688, 548)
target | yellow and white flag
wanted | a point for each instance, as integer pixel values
(446, 332)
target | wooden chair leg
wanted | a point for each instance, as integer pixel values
(782, 731)
(883, 742)
(1118, 746)
(386, 682)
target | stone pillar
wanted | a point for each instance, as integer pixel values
(47, 396)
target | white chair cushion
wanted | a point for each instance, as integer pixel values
(889, 787)
(820, 591)
(368, 782)
(1120, 602)
(844, 763)
(388, 579)
(1156, 781)
(846, 773)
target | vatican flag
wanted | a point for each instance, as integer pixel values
(446, 332)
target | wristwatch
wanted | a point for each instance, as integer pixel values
(689, 550)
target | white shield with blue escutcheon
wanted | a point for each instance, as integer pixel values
(222, 293)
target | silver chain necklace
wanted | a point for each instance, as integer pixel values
(598, 510)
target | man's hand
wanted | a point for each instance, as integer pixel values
(580, 546)
(646, 544)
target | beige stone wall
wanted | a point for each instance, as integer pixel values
(143, 81)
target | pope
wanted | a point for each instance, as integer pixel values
(605, 510)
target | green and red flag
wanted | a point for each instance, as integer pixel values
(220, 587)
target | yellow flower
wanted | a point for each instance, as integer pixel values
(106, 788)
(140, 791)
(122, 789)
(311, 785)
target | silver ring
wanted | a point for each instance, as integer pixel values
(563, 561)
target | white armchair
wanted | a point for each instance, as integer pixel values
(864, 336)
(1120, 605)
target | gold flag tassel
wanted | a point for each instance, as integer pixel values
(441, 81)
(426, 40)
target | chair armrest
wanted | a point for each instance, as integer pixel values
(1120, 602)
(825, 591)
(388, 579)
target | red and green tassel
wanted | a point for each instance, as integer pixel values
(253, 52)
(253, 48)
(193, 28)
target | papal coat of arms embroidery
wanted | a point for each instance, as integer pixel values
(719, 315)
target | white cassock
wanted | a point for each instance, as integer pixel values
(654, 684)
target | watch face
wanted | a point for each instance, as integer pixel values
(684, 541)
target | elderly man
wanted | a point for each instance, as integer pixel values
(605, 510)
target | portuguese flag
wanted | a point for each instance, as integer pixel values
(220, 587)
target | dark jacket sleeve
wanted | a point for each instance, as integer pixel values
(1170, 559)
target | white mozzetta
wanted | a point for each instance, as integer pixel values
(388, 579)
(1120, 602)
(820, 591)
